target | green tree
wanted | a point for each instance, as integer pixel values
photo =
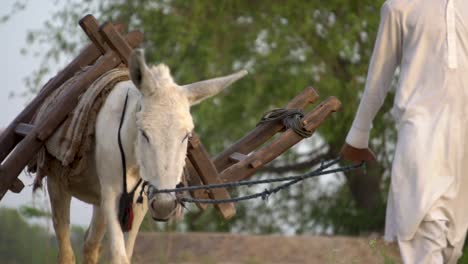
(286, 46)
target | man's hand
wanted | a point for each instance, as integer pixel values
(356, 155)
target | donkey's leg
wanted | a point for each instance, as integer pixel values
(109, 173)
(94, 235)
(109, 205)
(139, 212)
(60, 203)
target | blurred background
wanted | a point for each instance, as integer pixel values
(285, 45)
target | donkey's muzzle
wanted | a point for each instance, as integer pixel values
(163, 206)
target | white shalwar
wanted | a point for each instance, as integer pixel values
(428, 40)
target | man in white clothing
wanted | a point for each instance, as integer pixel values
(427, 210)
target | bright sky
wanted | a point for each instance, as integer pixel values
(14, 67)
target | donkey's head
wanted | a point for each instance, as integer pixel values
(164, 124)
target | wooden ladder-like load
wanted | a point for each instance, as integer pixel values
(21, 140)
(107, 50)
(241, 160)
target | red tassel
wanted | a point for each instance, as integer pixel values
(126, 212)
(129, 223)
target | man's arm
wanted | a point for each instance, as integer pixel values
(385, 58)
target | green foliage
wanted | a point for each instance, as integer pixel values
(464, 257)
(29, 212)
(286, 46)
(23, 243)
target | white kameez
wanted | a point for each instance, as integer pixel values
(428, 40)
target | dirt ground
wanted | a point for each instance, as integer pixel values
(252, 249)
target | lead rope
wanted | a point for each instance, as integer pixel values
(325, 168)
(125, 214)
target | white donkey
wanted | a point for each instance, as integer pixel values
(154, 134)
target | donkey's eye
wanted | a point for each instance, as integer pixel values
(187, 136)
(143, 133)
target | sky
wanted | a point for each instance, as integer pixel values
(14, 68)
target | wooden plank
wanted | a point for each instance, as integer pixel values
(247, 167)
(9, 139)
(17, 186)
(262, 133)
(193, 179)
(116, 42)
(23, 129)
(320, 113)
(209, 175)
(90, 26)
(28, 147)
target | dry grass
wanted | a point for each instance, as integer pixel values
(214, 248)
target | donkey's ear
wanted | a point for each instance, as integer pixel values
(137, 67)
(196, 92)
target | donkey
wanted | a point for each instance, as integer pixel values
(153, 115)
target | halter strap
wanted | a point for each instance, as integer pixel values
(122, 153)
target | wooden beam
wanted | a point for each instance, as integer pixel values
(17, 186)
(28, 147)
(256, 160)
(90, 26)
(209, 175)
(193, 179)
(116, 42)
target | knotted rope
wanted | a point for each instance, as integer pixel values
(291, 119)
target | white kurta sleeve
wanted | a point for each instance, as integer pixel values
(385, 58)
